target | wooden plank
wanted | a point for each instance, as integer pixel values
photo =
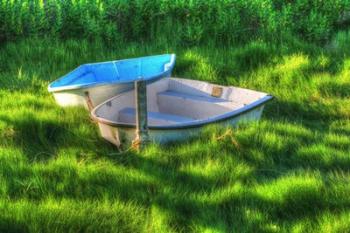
(142, 137)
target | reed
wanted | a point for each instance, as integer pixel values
(185, 22)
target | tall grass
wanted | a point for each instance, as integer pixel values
(185, 22)
(287, 173)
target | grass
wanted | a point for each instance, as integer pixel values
(287, 173)
(184, 22)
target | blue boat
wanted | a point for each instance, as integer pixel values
(91, 84)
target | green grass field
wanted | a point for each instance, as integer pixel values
(290, 172)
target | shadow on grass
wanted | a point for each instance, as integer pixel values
(41, 139)
(183, 188)
(313, 113)
(335, 89)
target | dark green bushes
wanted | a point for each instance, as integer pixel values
(186, 22)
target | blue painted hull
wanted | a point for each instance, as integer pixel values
(121, 71)
(91, 84)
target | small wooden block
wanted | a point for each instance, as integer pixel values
(216, 91)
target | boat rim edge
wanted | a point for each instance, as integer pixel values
(194, 124)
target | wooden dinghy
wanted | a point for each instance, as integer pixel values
(178, 109)
(91, 84)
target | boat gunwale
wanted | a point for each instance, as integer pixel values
(116, 82)
(192, 124)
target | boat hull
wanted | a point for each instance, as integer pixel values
(91, 84)
(125, 135)
(89, 97)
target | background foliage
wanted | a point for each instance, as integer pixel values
(187, 22)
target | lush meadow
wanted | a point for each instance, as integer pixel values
(290, 172)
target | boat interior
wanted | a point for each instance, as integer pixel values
(116, 71)
(173, 101)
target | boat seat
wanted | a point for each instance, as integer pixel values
(192, 97)
(128, 115)
(193, 106)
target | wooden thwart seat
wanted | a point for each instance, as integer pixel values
(193, 106)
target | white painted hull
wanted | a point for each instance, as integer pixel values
(178, 109)
(124, 135)
(96, 94)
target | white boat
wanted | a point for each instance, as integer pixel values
(178, 109)
(91, 84)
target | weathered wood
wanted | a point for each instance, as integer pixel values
(142, 137)
(89, 104)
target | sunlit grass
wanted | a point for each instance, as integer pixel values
(287, 173)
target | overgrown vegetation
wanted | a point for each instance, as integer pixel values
(185, 22)
(286, 173)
